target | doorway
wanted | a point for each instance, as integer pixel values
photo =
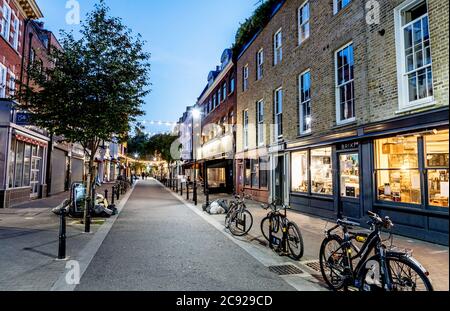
(349, 185)
(279, 179)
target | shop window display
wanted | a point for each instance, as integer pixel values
(349, 175)
(300, 172)
(321, 171)
(397, 169)
(437, 167)
(216, 177)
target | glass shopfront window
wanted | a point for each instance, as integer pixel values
(248, 174)
(321, 171)
(255, 173)
(12, 162)
(300, 172)
(397, 169)
(264, 167)
(216, 177)
(19, 164)
(437, 167)
(349, 175)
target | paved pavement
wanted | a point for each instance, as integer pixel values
(29, 244)
(159, 243)
(432, 256)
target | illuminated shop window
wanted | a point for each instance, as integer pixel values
(300, 172)
(321, 171)
(397, 169)
(437, 167)
(349, 175)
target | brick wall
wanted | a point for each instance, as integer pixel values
(376, 93)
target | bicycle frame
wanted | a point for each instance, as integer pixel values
(283, 223)
(373, 243)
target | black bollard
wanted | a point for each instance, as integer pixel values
(118, 192)
(113, 194)
(181, 188)
(62, 235)
(87, 225)
(106, 194)
(207, 197)
(187, 190)
(176, 186)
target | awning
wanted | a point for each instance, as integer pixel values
(31, 141)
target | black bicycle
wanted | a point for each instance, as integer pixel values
(284, 236)
(238, 219)
(389, 269)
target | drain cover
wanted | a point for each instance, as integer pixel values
(285, 270)
(315, 265)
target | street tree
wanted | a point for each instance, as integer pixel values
(94, 87)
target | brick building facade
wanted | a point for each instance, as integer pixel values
(344, 110)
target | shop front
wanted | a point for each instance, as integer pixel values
(398, 169)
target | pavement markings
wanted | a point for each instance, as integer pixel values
(262, 254)
(87, 254)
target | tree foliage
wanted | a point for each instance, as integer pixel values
(95, 86)
(162, 145)
(250, 27)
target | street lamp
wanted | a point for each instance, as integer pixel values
(196, 114)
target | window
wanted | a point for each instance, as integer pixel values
(300, 172)
(259, 64)
(260, 122)
(209, 105)
(19, 164)
(305, 103)
(32, 56)
(216, 177)
(278, 113)
(339, 5)
(245, 129)
(397, 169)
(6, 21)
(278, 47)
(224, 91)
(303, 22)
(12, 162)
(321, 171)
(245, 78)
(255, 173)
(345, 94)
(26, 166)
(414, 55)
(219, 96)
(15, 33)
(214, 102)
(248, 173)
(2, 81)
(264, 167)
(349, 175)
(437, 167)
(232, 85)
(12, 84)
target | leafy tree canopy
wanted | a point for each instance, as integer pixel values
(250, 27)
(95, 86)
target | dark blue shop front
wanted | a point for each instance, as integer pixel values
(398, 169)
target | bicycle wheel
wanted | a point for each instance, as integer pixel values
(404, 274)
(231, 211)
(332, 258)
(241, 223)
(265, 224)
(295, 241)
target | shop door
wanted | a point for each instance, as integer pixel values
(279, 179)
(36, 162)
(349, 185)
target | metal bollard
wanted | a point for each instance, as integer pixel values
(176, 186)
(106, 194)
(113, 194)
(181, 186)
(187, 191)
(87, 225)
(118, 192)
(62, 235)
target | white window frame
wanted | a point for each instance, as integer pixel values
(16, 28)
(3, 81)
(301, 103)
(402, 76)
(260, 64)
(302, 23)
(260, 117)
(337, 88)
(278, 47)
(335, 6)
(277, 113)
(245, 74)
(6, 21)
(245, 128)
(12, 84)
